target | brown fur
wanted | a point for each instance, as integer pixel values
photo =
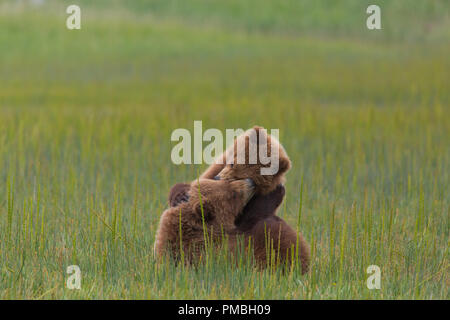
(265, 230)
(236, 171)
(261, 227)
(258, 222)
(210, 212)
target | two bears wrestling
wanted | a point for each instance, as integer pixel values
(233, 202)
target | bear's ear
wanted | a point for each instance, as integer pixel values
(284, 165)
(179, 193)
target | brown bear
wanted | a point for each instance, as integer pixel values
(207, 215)
(257, 222)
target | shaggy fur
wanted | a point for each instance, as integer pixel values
(254, 139)
(261, 226)
(257, 222)
(210, 212)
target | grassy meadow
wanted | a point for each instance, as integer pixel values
(86, 118)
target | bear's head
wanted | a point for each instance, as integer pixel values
(258, 156)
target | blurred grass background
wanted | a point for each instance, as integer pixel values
(86, 117)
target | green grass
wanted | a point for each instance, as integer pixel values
(86, 118)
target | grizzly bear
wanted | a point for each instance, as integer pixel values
(207, 215)
(257, 222)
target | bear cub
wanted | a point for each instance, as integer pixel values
(208, 208)
(257, 222)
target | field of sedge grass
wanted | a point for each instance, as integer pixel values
(86, 118)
